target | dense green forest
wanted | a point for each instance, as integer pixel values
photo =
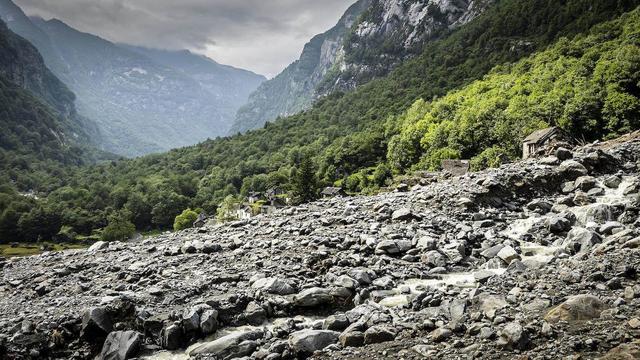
(581, 82)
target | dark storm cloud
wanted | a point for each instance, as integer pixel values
(262, 35)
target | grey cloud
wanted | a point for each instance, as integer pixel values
(262, 35)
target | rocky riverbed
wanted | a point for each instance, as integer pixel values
(536, 259)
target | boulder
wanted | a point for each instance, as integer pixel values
(171, 337)
(209, 321)
(352, 338)
(306, 342)
(379, 333)
(273, 285)
(580, 240)
(508, 254)
(97, 246)
(96, 323)
(630, 351)
(575, 308)
(230, 347)
(563, 154)
(403, 214)
(121, 345)
(540, 206)
(434, 258)
(313, 297)
(336, 322)
(190, 320)
(513, 336)
(441, 334)
(571, 169)
(255, 314)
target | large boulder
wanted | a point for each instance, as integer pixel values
(209, 321)
(630, 351)
(313, 297)
(513, 336)
(230, 346)
(571, 169)
(306, 342)
(121, 345)
(274, 286)
(171, 337)
(575, 308)
(580, 240)
(96, 323)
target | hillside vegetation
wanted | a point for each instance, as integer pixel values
(576, 83)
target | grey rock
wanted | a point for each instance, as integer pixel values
(209, 321)
(231, 346)
(352, 338)
(97, 246)
(313, 297)
(96, 323)
(171, 337)
(441, 334)
(306, 342)
(274, 286)
(121, 345)
(575, 308)
(379, 333)
(572, 169)
(513, 336)
(508, 254)
(580, 240)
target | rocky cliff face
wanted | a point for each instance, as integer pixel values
(143, 100)
(390, 31)
(293, 90)
(371, 39)
(537, 258)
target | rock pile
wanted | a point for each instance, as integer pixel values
(538, 257)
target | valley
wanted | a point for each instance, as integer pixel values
(428, 179)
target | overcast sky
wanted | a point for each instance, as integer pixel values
(260, 35)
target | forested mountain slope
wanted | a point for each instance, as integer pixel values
(42, 136)
(141, 104)
(349, 133)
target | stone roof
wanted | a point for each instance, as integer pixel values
(541, 135)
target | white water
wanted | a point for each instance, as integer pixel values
(303, 321)
(412, 287)
(610, 197)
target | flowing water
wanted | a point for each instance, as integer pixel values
(303, 321)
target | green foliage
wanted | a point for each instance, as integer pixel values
(185, 220)
(304, 182)
(226, 210)
(588, 85)
(489, 158)
(120, 228)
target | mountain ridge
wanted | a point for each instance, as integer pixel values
(140, 105)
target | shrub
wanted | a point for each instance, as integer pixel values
(185, 220)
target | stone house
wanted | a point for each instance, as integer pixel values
(541, 138)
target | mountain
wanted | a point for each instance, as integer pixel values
(229, 86)
(143, 100)
(293, 90)
(372, 38)
(41, 130)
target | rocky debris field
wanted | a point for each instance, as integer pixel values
(537, 259)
